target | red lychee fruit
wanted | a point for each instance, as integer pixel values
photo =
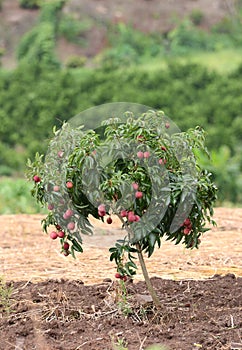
(135, 186)
(69, 212)
(36, 178)
(61, 234)
(109, 220)
(56, 188)
(69, 184)
(186, 231)
(50, 206)
(167, 125)
(163, 148)
(53, 235)
(117, 275)
(124, 213)
(66, 245)
(146, 154)
(140, 154)
(138, 194)
(71, 225)
(131, 216)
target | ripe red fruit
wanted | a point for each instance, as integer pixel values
(163, 148)
(53, 235)
(124, 278)
(101, 213)
(162, 161)
(61, 234)
(36, 178)
(187, 222)
(69, 212)
(140, 155)
(135, 186)
(124, 213)
(137, 218)
(138, 194)
(71, 225)
(58, 227)
(167, 125)
(69, 184)
(186, 231)
(66, 253)
(66, 217)
(117, 275)
(56, 188)
(146, 154)
(60, 154)
(50, 206)
(131, 216)
(109, 220)
(66, 245)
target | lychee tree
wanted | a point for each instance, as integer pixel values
(139, 170)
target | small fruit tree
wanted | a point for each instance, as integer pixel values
(139, 170)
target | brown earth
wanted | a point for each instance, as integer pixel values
(55, 305)
(145, 15)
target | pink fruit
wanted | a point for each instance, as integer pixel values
(66, 253)
(109, 220)
(69, 184)
(101, 213)
(61, 234)
(60, 154)
(56, 188)
(69, 212)
(36, 178)
(124, 213)
(66, 245)
(187, 222)
(124, 278)
(50, 206)
(135, 186)
(140, 137)
(140, 155)
(186, 231)
(167, 125)
(162, 161)
(137, 218)
(146, 154)
(138, 194)
(131, 216)
(163, 148)
(53, 235)
(66, 217)
(71, 225)
(117, 275)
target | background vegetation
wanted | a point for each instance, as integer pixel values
(194, 75)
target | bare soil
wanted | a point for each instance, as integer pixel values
(60, 303)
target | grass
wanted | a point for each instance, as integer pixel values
(222, 61)
(5, 296)
(15, 197)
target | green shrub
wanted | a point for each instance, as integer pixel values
(30, 4)
(76, 61)
(196, 16)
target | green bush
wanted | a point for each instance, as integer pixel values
(76, 61)
(196, 16)
(30, 4)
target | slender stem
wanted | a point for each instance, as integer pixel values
(150, 288)
(147, 278)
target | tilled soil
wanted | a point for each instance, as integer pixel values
(60, 303)
(62, 314)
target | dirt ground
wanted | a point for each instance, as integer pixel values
(60, 303)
